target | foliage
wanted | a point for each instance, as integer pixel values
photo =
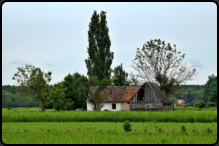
(199, 97)
(99, 55)
(57, 96)
(73, 92)
(212, 104)
(183, 128)
(160, 63)
(6, 102)
(189, 93)
(94, 88)
(210, 91)
(127, 126)
(10, 98)
(120, 77)
(8, 88)
(200, 104)
(173, 100)
(32, 82)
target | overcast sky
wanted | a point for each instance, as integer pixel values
(53, 36)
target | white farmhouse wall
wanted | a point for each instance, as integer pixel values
(107, 106)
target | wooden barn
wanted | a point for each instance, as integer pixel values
(145, 97)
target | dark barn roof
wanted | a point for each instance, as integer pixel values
(160, 94)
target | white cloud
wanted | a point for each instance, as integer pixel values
(19, 62)
(49, 64)
(196, 63)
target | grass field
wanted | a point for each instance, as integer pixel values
(34, 115)
(30, 125)
(107, 132)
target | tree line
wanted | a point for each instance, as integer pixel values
(156, 62)
(194, 93)
(76, 95)
(10, 98)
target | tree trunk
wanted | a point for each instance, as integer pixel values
(95, 107)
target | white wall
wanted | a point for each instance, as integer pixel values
(107, 106)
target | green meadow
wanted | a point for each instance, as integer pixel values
(33, 115)
(107, 132)
(31, 126)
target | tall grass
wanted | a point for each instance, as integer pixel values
(109, 116)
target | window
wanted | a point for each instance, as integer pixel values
(113, 106)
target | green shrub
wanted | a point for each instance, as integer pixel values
(212, 104)
(200, 104)
(127, 126)
(159, 129)
(183, 128)
(208, 130)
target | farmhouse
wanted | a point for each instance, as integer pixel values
(181, 102)
(145, 97)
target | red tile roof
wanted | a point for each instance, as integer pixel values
(130, 92)
(180, 101)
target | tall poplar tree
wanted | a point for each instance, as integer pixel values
(100, 57)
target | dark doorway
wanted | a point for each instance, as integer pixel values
(141, 94)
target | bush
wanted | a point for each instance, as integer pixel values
(200, 104)
(208, 130)
(127, 126)
(212, 104)
(183, 128)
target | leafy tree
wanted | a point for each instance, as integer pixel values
(6, 93)
(213, 93)
(13, 97)
(200, 104)
(173, 100)
(21, 102)
(100, 58)
(199, 97)
(94, 87)
(32, 82)
(56, 95)
(120, 77)
(8, 88)
(160, 63)
(73, 92)
(80, 101)
(210, 90)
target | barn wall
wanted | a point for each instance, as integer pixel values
(166, 107)
(125, 106)
(136, 106)
(152, 101)
(107, 106)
